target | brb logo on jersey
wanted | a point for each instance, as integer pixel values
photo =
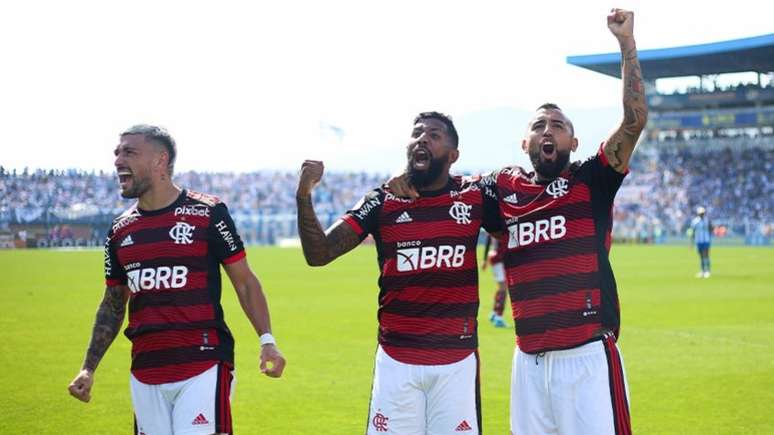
(157, 278)
(558, 188)
(460, 212)
(182, 233)
(428, 257)
(527, 233)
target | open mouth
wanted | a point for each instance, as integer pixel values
(124, 176)
(548, 150)
(421, 159)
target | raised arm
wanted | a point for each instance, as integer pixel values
(320, 247)
(110, 317)
(620, 145)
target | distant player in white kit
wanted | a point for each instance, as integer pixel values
(701, 235)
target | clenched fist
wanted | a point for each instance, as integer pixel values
(310, 175)
(272, 361)
(80, 387)
(621, 23)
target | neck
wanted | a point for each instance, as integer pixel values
(541, 179)
(438, 184)
(159, 196)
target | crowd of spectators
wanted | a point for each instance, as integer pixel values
(262, 203)
(667, 184)
(656, 202)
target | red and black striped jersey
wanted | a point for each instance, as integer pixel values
(170, 260)
(562, 288)
(428, 299)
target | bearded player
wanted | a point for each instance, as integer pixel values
(426, 369)
(567, 373)
(163, 255)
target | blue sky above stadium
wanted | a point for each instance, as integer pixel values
(255, 85)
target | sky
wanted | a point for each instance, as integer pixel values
(264, 85)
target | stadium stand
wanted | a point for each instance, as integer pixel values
(74, 208)
(711, 146)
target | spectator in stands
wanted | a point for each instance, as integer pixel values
(735, 185)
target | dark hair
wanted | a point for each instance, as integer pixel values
(446, 120)
(552, 106)
(160, 136)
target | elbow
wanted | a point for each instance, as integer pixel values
(317, 262)
(635, 121)
(643, 119)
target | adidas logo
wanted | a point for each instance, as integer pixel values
(127, 241)
(463, 427)
(511, 199)
(201, 420)
(403, 218)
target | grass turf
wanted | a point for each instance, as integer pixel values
(699, 353)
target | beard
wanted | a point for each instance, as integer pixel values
(137, 188)
(423, 178)
(549, 169)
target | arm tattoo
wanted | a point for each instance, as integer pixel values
(110, 316)
(320, 247)
(621, 144)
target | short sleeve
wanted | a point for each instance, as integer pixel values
(491, 219)
(114, 273)
(601, 177)
(364, 216)
(225, 242)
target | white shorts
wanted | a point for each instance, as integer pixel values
(576, 391)
(409, 399)
(498, 271)
(197, 405)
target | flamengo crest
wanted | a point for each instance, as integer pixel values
(460, 212)
(558, 188)
(380, 422)
(182, 233)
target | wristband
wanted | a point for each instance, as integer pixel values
(267, 338)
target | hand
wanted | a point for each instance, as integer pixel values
(310, 175)
(80, 387)
(270, 355)
(400, 187)
(621, 23)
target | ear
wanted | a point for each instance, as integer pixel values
(574, 144)
(524, 146)
(454, 155)
(162, 161)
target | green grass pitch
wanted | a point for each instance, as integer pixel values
(699, 353)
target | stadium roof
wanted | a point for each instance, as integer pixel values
(738, 55)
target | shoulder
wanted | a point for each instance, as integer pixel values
(510, 175)
(596, 158)
(195, 197)
(374, 198)
(129, 216)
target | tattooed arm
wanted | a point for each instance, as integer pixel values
(620, 145)
(320, 247)
(110, 317)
